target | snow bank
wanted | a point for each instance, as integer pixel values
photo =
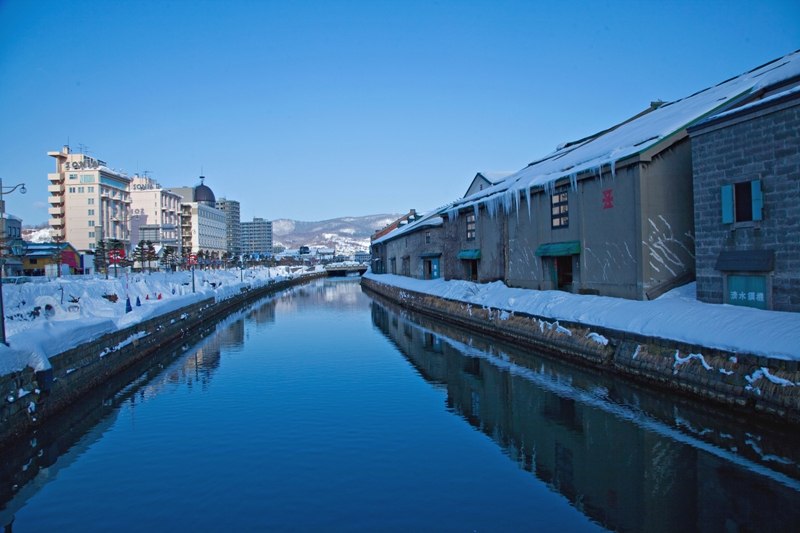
(47, 317)
(676, 315)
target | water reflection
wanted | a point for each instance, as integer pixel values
(628, 458)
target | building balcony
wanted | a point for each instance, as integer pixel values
(57, 233)
(55, 200)
(56, 211)
(54, 177)
(55, 189)
(56, 222)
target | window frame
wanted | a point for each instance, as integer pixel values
(559, 209)
(471, 227)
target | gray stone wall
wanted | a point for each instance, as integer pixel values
(764, 145)
(728, 379)
(490, 239)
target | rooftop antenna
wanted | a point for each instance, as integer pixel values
(83, 148)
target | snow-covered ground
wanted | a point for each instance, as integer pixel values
(677, 315)
(46, 317)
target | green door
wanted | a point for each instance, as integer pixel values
(747, 291)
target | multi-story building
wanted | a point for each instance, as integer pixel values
(233, 226)
(155, 213)
(202, 224)
(89, 202)
(257, 237)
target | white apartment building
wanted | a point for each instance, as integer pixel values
(89, 202)
(155, 213)
(203, 226)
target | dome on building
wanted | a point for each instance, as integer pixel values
(203, 194)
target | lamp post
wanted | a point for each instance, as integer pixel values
(22, 190)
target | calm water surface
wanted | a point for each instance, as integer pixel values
(323, 410)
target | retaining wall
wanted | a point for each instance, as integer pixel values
(744, 382)
(30, 397)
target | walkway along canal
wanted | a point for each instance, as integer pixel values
(322, 409)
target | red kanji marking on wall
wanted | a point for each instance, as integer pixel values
(608, 200)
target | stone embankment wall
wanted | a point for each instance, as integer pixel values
(747, 383)
(30, 397)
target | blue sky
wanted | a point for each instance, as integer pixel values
(314, 110)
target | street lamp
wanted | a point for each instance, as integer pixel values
(22, 190)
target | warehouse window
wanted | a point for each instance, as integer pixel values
(742, 202)
(559, 212)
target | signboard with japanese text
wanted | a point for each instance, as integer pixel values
(747, 291)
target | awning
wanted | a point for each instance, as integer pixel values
(431, 254)
(469, 254)
(746, 261)
(559, 249)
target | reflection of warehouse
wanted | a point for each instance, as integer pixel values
(615, 472)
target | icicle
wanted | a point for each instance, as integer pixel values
(517, 194)
(477, 210)
(573, 181)
(613, 169)
(528, 201)
(452, 215)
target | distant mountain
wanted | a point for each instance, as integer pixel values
(347, 234)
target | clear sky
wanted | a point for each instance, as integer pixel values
(315, 110)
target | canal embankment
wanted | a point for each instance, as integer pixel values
(748, 383)
(32, 395)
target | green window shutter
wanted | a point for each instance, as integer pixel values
(758, 199)
(727, 204)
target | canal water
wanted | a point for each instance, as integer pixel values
(326, 409)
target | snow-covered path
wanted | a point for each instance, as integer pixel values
(677, 315)
(46, 317)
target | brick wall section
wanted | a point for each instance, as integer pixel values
(650, 360)
(78, 370)
(764, 143)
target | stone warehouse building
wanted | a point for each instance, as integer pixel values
(747, 201)
(609, 214)
(413, 249)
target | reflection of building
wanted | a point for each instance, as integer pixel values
(155, 213)
(257, 237)
(620, 474)
(202, 224)
(89, 201)
(233, 226)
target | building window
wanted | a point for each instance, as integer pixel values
(742, 202)
(91, 223)
(81, 189)
(91, 246)
(72, 189)
(34, 261)
(559, 212)
(73, 176)
(470, 227)
(427, 237)
(87, 178)
(90, 189)
(91, 212)
(91, 201)
(91, 235)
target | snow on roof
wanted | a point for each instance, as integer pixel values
(602, 151)
(431, 219)
(9, 216)
(494, 177)
(757, 103)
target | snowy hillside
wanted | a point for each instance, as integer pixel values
(347, 234)
(36, 234)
